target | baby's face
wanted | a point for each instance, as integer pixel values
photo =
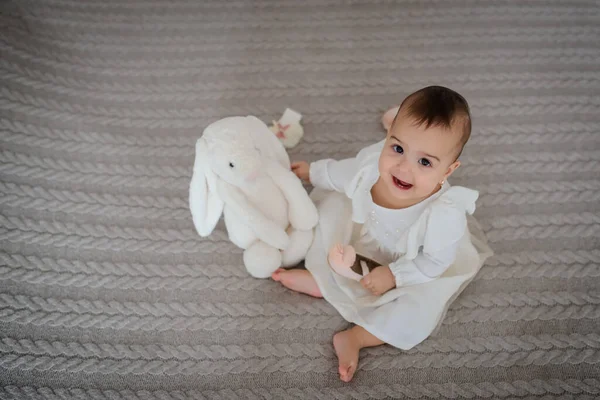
(415, 160)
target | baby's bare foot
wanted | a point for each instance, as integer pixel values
(347, 349)
(276, 276)
(298, 280)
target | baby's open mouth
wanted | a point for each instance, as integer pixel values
(401, 184)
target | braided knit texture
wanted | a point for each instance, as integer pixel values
(107, 291)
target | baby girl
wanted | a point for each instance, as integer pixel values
(392, 205)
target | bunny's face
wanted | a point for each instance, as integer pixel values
(234, 158)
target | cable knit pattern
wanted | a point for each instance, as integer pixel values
(550, 389)
(106, 290)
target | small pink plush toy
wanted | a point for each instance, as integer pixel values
(345, 262)
(288, 129)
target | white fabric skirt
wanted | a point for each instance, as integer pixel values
(402, 317)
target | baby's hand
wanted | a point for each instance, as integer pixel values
(302, 170)
(379, 281)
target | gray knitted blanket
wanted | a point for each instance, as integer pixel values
(107, 292)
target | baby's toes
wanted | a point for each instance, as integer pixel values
(276, 276)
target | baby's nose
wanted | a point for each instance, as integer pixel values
(403, 164)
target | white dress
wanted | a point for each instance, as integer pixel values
(431, 249)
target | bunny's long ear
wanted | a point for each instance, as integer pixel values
(205, 204)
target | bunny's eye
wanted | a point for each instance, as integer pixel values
(231, 165)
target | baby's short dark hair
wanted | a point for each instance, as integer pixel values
(439, 106)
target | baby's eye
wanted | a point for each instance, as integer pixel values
(425, 162)
(398, 149)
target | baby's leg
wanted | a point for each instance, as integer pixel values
(299, 280)
(347, 346)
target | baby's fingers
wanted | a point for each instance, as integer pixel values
(366, 282)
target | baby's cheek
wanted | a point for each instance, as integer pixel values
(427, 182)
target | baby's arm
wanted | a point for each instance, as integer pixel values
(425, 267)
(326, 174)
(445, 229)
(331, 174)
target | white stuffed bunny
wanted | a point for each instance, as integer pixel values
(243, 171)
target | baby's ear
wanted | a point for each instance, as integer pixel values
(453, 167)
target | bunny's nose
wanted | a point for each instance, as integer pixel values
(253, 175)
